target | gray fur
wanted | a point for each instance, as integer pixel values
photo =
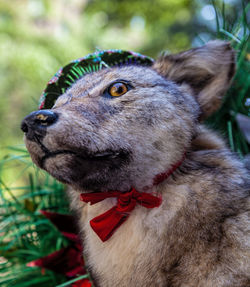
(199, 236)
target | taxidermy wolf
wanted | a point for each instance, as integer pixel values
(160, 199)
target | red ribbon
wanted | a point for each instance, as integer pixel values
(106, 224)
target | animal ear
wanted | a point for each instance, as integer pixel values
(207, 70)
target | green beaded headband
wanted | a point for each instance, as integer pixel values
(75, 70)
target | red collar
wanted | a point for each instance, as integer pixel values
(106, 224)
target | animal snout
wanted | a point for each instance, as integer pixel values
(35, 124)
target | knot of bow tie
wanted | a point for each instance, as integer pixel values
(105, 224)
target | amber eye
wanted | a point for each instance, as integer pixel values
(118, 89)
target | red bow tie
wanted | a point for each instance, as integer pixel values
(106, 224)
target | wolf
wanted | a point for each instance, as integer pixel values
(140, 128)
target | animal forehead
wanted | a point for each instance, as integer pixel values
(137, 75)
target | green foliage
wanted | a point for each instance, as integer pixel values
(157, 17)
(26, 234)
(238, 95)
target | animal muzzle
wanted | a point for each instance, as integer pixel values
(35, 124)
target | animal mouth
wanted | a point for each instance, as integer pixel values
(98, 156)
(107, 155)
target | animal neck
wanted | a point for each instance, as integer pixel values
(106, 224)
(162, 176)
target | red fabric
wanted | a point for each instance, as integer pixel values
(106, 224)
(81, 283)
(65, 224)
(162, 176)
(67, 261)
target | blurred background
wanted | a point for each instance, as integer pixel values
(37, 37)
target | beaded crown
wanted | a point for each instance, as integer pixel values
(69, 74)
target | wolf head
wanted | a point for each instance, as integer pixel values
(119, 127)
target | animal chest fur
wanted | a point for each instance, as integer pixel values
(132, 253)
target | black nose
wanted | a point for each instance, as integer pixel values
(35, 124)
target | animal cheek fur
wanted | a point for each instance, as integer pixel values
(95, 113)
(158, 145)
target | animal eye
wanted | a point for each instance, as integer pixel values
(118, 89)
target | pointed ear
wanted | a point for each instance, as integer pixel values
(207, 71)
